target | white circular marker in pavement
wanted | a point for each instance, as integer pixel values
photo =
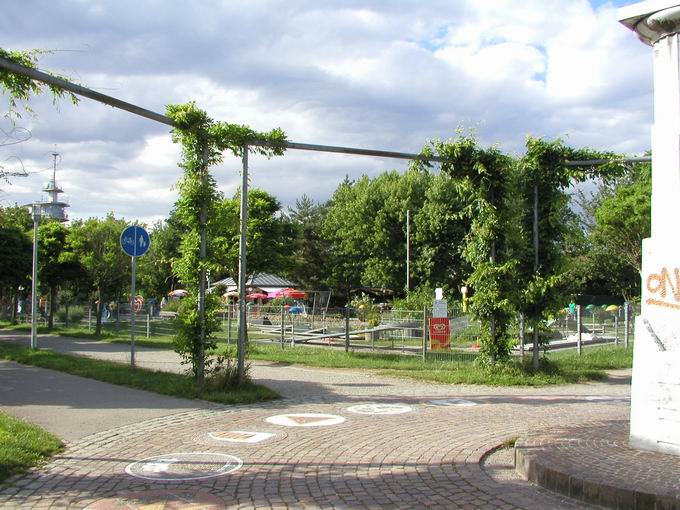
(305, 420)
(452, 402)
(381, 409)
(174, 467)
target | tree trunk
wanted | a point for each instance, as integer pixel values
(15, 301)
(100, 307)
(53, 299)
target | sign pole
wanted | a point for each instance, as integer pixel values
(135, 242)
(133, 291)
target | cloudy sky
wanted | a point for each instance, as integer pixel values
(384, 74)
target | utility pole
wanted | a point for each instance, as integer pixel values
(34, 278)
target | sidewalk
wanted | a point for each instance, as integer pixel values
(379, 442)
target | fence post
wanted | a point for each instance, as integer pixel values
(347, 329)
(148, 324)
(283, 326)
(626, 327)
(89, 318)
(578, 329)
(424, 333)
(616, 329)
(228, 324)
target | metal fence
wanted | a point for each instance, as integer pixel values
(402, 332)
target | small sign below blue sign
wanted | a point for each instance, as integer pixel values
(135, 241)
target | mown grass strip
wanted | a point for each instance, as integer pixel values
(23, 445)
(164, 383)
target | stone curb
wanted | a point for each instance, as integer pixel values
(528, 463)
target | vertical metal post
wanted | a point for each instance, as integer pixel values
(578, 329)
(626, 326)
(34, 280)
(408, 251)
(616, 328)
(148, 325)
(283, 326)
(89, 317)
(425, 333)
(346, 328)
(133, 290)
(202, 255)
(242, 270)
(229, 312)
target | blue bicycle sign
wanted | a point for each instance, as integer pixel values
(135, 241)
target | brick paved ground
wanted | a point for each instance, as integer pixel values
(426, 458)
(593, 462)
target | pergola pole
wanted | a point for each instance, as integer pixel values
(242, 255)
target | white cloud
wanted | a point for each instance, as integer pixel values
(387, 75)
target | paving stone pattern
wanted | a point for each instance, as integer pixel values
(430, 457)
(594, 463)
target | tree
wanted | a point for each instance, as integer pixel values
(270, 236)
(95, 244)
(56, 267)
(440, 233)
(154, 274)
(346, 229)
(617, 218)
(15, 263)
(310, 251)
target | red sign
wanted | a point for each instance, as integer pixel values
(440, 333)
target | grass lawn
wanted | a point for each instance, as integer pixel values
(558, 368)
(165, 383)
(23, 445)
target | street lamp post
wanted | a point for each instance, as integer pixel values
(34, 278)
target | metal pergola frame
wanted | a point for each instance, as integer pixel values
(163, 119)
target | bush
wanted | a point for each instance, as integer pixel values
(75, 314)
(225, 376)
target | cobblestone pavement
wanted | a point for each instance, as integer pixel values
(430, 455)
(593, 462)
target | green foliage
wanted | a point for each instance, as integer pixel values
(310, 250)
(95, 245)
(415, 300)
(481, 175)
(57, 267)
(543, 174)
(154, 269)
(204, 141)
(269, 236)
(617, 219)
(20, 88)
(366, 309)
(189, 329)
(364, 230)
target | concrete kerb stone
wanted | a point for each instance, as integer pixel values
(535, 460)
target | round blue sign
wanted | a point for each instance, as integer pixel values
(135, 241)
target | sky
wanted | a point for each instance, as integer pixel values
(381, 74)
